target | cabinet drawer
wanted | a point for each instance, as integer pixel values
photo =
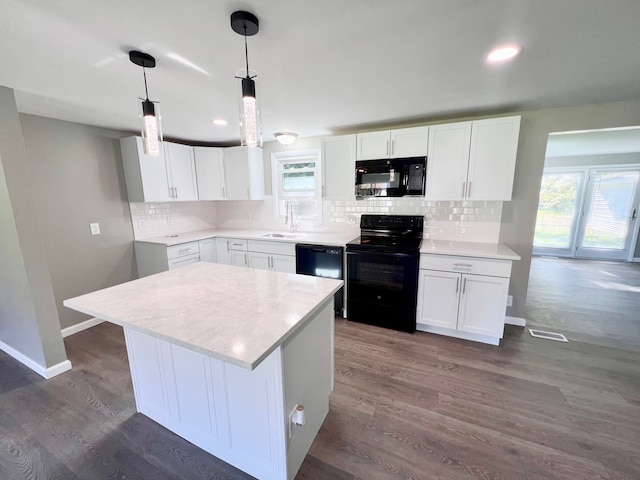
(277, 248)
(182, 261)
(176, 251)
(237, 244)
(478, 266)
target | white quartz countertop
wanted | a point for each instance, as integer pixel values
(318, 238)
(237, 314)
(468, 249)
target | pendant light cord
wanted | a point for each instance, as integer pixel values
(246, 50)
(144, 73)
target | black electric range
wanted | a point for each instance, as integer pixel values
(382, 271)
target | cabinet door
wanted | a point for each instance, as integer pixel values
(208, 250)
(222, 251)
(483, 303)
(339, 167)
(447, 161)
(492, 158)
(238, 258)
(409, 142)
(261, 261)
(244, 173)
(145, 176)
(373, 145)
(182, 171)
(283, 263)
(210, 173)
(438, 294)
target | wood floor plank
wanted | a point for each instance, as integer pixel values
(404, 406)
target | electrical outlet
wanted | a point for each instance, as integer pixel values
(169, 220)
(95, 228)
(141, 223)
(510, 301)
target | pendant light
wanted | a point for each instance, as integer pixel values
(149, 111)
(246, 24)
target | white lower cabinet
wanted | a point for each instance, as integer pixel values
(276, 256)
(152, 258)
(208, 250)
(468, 305)
(260, 254)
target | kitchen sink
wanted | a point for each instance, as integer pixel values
(284, 235)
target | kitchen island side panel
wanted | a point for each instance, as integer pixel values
(239, 415)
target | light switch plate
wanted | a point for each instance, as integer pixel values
(510, 301)
(95, 228)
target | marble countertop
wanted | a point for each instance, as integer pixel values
(436, 247)
(239, 315)
(318, 238)
(468, 249)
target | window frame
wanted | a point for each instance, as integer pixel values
(278, 159)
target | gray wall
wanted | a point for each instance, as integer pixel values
(593, 160)
(28, 319)
(519, 215)
(77, 179)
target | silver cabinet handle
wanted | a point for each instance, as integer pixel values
(462, 265)
(270, 262)
(387, 147)
(634, 214)
(457, 284)
(170, 192)
(464, 285)
(184, 250)
(176, 190)
(228, 248)
(245, 259)
(469, 190)
(393, 147)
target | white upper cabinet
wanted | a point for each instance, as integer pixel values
(210, 173)
(158, 179)
(244, 173)
(339, 167)
(473, 160)
(182, 171)
(399, 143)
(492, 158)
(447, 161)
(145, 176)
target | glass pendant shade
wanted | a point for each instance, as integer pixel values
(250, 121)
(151, 128)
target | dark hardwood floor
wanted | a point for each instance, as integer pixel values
(404, 407)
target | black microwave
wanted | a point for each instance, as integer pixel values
(391, 177)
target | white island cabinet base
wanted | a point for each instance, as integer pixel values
(241, 416)
(230, 389)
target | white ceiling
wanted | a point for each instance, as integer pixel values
(325, 66)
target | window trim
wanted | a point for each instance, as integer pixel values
(277, 159)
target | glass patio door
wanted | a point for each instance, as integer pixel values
(558, 211)
(609, 213)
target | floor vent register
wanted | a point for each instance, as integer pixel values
(558, 337)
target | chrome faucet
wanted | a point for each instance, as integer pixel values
(288, 219)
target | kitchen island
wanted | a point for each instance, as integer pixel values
(222, 355)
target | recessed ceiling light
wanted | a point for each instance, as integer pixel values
(502, 54)
(219, 121)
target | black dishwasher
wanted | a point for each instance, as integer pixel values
(322, 261)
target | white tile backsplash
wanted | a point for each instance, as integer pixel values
(157, 219)
(444, 220)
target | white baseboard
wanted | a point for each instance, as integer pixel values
(57, 369)
(35, 366)
(517, 321)
(78, 327)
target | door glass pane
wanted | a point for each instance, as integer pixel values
(557, 209)
(611, 200)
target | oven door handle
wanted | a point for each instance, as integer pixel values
(393, 254)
